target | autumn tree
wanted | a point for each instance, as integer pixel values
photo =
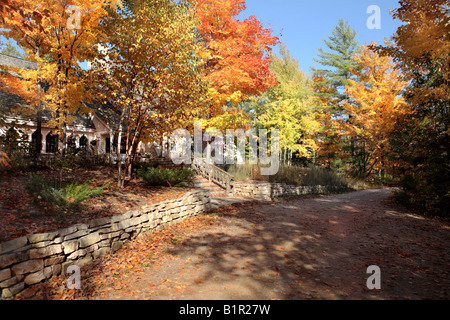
(288, 107)
(375, 104)
(235, 54)
(149, 73)
(26, 20)
(57, 37)
(421, 47)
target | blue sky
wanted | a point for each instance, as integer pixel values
(304, 24)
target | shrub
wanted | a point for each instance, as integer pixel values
(166, 177)
(61, 195)
(307, 176)
(245, 172)
(143, 165)
(417, 192)
(293, 175)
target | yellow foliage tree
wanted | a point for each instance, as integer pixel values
(289, 107)
(149, 72)
(57, 37)
(375, 106)
(421, 47)
(422, 44)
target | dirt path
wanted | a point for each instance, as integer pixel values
(316, 248)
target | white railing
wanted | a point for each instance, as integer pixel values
(214, 174)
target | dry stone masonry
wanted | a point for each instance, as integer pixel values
(34, 258)
(269, 191)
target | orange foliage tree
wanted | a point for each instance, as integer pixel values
(235, 54)
(421, 44)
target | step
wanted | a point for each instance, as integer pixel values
(222, 201)
(216, 192)
(205, 184)
(211, 189)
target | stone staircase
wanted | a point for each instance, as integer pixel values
(219, 196)
(218, 181)
(203, 183)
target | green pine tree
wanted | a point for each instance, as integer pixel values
(338, 62)
(11, 50)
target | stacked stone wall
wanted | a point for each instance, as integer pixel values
(269, 191)
(31, 259)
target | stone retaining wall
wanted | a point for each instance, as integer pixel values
(34, 258)
(269, 191)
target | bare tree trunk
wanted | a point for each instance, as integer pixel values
(38, 133)
(64, 139)
(280, 156)
(132, 144)
(129, 155)
(132, 155)
(39, 115)
(120, 179)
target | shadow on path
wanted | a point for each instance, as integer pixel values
(316, 248)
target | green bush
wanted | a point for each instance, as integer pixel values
(59, 194)
(165, 177)
(140, 165)
(417, 192)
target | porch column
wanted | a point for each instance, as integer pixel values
(111, 143)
